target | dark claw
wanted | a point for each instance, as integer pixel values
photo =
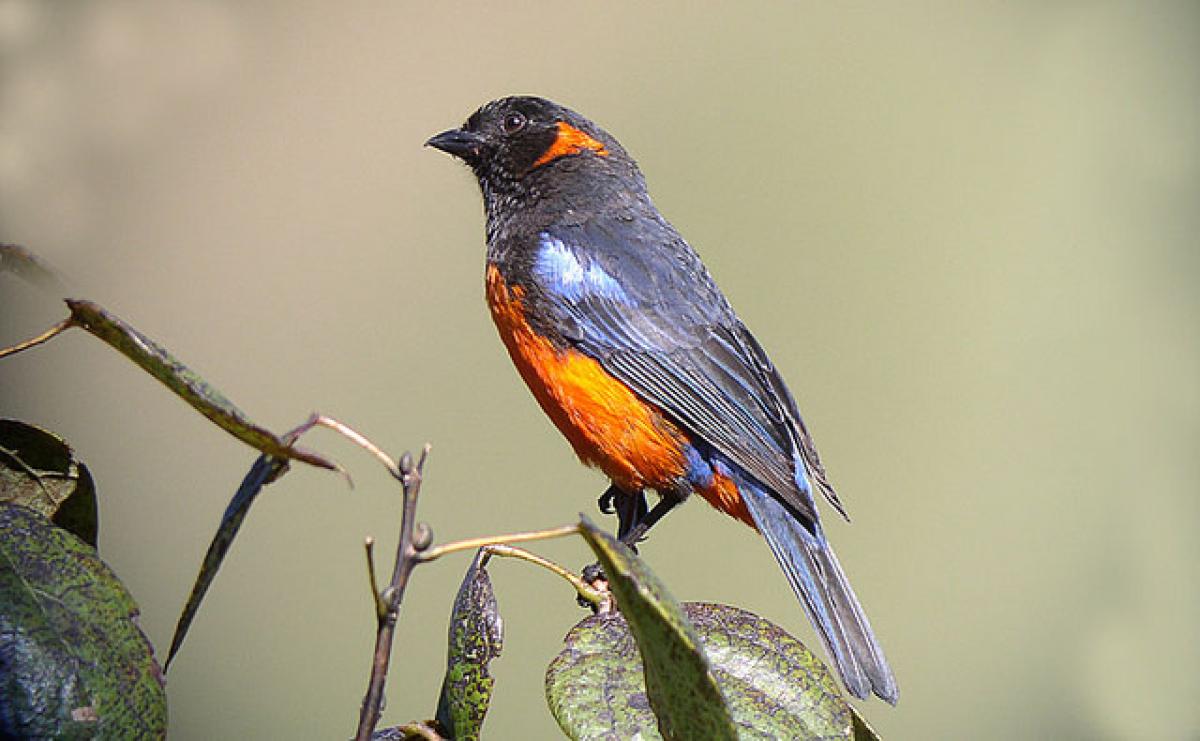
(607, 501)
(633, 529)
(633, 537)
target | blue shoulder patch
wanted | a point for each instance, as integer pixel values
(566, 275)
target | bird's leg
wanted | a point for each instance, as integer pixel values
(630, 507)
(634, 521)
(631, 510)
(669, 501)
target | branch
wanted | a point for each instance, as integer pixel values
(380, 606)
(414, 549)
(46, 336)
(361, 440)
(594, 597)
(471, 544)
(407, 553)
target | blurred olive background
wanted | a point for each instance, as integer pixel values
(967, 234)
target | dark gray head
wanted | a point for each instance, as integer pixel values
(521, 145)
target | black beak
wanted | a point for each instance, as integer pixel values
(466, 145)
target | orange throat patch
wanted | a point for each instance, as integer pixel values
(570, 140)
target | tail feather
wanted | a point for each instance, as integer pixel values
(817, 579)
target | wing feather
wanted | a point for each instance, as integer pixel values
(670, 335)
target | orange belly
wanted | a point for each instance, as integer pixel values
(607, 425)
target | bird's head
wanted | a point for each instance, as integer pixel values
(515, 144)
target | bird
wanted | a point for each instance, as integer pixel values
(639, 360)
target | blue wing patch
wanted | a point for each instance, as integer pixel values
(573, 278)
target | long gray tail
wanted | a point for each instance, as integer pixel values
(818, 580)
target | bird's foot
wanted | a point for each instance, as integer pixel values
(593, 575)
(607, 501)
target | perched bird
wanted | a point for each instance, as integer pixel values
(638, 359)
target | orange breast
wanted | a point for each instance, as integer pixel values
(607, 425)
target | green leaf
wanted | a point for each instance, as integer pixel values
(186, 383)
(476, 637)
(595, 686)
(265, 470)
(39, 471)
(774, 687)
(679, 686)
(73, 662)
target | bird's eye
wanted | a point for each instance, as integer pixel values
(513, 123)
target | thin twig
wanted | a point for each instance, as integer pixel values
(582, 588)
(412, 550)
(380, 605)
(393, 597)
(424, 455)
(46, 336)
(471, 544)
(361, 440)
